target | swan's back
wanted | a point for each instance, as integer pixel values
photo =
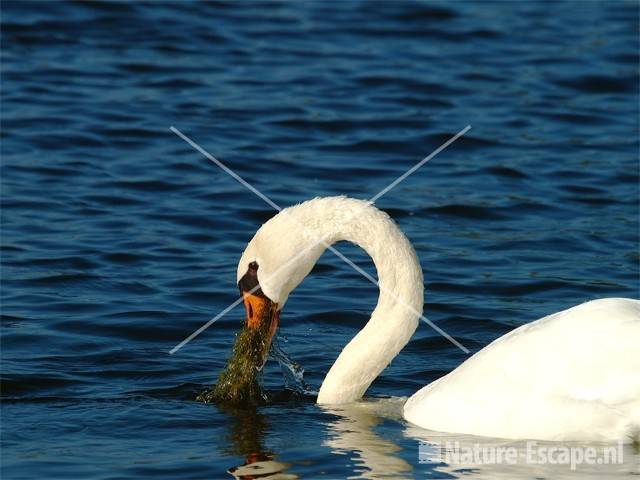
(573, 375)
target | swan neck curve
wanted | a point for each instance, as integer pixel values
(400, 301)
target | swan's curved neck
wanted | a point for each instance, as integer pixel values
(395, 317)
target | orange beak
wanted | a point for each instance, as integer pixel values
(263, 315)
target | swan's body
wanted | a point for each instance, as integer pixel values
(574, 375)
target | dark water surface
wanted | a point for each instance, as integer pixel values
(119, 239)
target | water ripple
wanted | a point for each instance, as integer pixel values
(119, 240)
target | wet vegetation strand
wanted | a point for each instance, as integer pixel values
(239, 383)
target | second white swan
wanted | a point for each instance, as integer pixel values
(573, 375)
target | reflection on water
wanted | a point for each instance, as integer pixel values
(119, 239)
(262, 468)
(248, 428)
(363, 434)
(353, 434)
(458, 455)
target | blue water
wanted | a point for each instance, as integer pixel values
(119, 239)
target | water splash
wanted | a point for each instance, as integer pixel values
(292, 370)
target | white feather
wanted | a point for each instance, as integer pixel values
(573, 375)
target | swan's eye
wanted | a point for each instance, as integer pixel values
(253, 266)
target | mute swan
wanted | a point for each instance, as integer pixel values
(573, 375)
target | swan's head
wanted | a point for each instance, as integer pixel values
(279, 256)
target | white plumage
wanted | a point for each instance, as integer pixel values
(573, 375)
